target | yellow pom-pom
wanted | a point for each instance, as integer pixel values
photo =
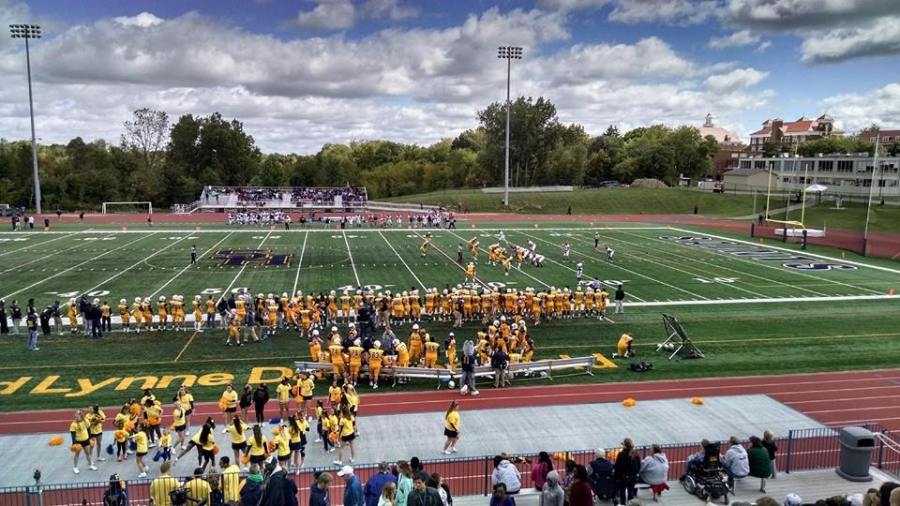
(75, 448)
(697, 400)
(245, 459)
(222, 405)
(216, 449)
(629, 402)
(129, 426)
(612, 454)
(56, 441)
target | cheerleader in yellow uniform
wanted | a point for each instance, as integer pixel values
(258, 446)
(198, 314)
(79, 429)
(179, 421)
(141, 448)
(296, 430)
(228, 403)
(431, 352)
(238, 430)
(347, 431)
(162, 312)
(283, 393)
(305, 387)
(95, 420)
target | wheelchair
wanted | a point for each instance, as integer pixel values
(707, 480)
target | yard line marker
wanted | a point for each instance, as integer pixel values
(299, 263)
(631, 271)
(185, 347)
(520, 271)
(233, 281)
(402, 261)
(60, 273)
(743, 273)
(355, 275)
(665, 266)
(453, 262)
(65, 234)
(123, 271)
(876, 267)
(186, 267)
(39, 259)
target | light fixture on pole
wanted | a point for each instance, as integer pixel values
(508, 53)
(22, 31)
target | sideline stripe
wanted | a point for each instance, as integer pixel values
(299, 263)
(236, 276)
(419, 281)
(60, 273)
(186, 267)
(352, 264)
(185, 347)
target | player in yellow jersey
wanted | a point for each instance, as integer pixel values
(162, 312)
(337, 357)
(426, 243)
(147, 313)
(506, 262)
(402, 353)
(210, 312)
(271, 315)
(528, 350)
(315, 345)
(234, 336)
(473, 248)
(431, 352)
(332, 307)
(450, 351)
(470, 272)
(198, 313)
(376, 360)
(72, 315)
(124, 315)
(355, 353)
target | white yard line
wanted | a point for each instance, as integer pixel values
(32, 245)
(132, 266)
(520, 272)
(630, 272)
(352, 264)
(804, 253)
(38, 259)
(299, 263)
(60, 273)
(236, 276)
(453, 262)
(737, 271)
(837, 298)
(689, 273)
(589, 277)
(419, 281)
(188, 266)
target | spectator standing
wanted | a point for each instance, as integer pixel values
(198, 488)
(376, 484)
(551, 493)
(655, 471)
(443, 490)
(735, 461)
(507, 474)
(161, 487)
(759, 462)
(318, 493)
(418, 470)
(541, 469)
(278, 489)
(115, 495)
(231, 481)
(353, 492)
(4, 326)
(768, 442)
(260, 398)
(579, 492)
(404, 482)
(16, 312)
(31, 322)
(620, 299)
(388, 495)
(251, 487)
(423, 495)
(499, 362)
(627, 468)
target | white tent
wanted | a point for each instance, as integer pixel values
(816, 188)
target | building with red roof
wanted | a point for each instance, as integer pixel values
(787, 134)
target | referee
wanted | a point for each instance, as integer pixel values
(193, 254)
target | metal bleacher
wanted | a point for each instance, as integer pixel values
(231, 198)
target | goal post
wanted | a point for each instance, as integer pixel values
(145, 206)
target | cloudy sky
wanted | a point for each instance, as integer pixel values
(300, 73)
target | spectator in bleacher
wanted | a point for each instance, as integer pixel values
(443, 490)
(768, 442)
(115, 495)
(793, 500)
(418, 470)
(655, 471)
(499, 497)
(759, 463)
(540, 470)
(887, 492)
(735, 461)
(627, 468)
(766, 501)
(506, 473)
(579, 492)
(551, 493)
(404, 482)
(423, 495)
(376, 483)
(388, 495)
(318, 493)
(602, 476)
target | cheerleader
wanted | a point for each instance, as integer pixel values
(297, 429)
(283, 392)
(305, 386)
(451, 428)
(331, 430)
(347, 431)
(95, 421)
(258, 446)
(282, 442)
(186, 399)
(153, 416)
(141, 448)
(238, 431)
(179, 422)
(81, 441)
(228, 403)
(205, 443)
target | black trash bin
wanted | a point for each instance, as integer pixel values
(857, 444)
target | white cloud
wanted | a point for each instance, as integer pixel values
(735, 80)
(766, 44)
(570, 5)
(328, 15)
(389, 9)
(736, 39)
(142, 20)
(648, 58)
(798, 14)
(878, 37)
(676, 12)
(856, 111)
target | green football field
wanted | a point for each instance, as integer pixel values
(754, 308)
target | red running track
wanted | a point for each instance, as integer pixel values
(837, 399)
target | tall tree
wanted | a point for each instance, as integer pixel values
(146, 134)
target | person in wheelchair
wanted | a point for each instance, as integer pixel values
(704, 474)
(707, 458)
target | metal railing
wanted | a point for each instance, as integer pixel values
(804, 449)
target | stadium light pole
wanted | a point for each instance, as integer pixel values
(22, 31)
(871, 193)
(508, 53)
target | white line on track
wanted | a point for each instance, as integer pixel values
(631, 272)
(419, 281)
(132, 266)
(693, 274)
(352, 264)
(520, 272)
(236, 276)
(743, 273)
(188, 266)
(299, 263)
(38, 259)
(60, 273)
(34, 245)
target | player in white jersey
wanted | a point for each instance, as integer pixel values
(579, 273)
(610, 253)
(566, 249)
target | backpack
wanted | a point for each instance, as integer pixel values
(114, 499)
(251, 493)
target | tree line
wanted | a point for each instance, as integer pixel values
(170, 163)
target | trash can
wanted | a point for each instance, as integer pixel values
(857, 444)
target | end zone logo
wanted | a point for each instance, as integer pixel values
(239, 257)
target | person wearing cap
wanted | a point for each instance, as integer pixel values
(116, 494)
(375, 484)
(353, 492)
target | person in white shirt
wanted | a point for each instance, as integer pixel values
(735, 462)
